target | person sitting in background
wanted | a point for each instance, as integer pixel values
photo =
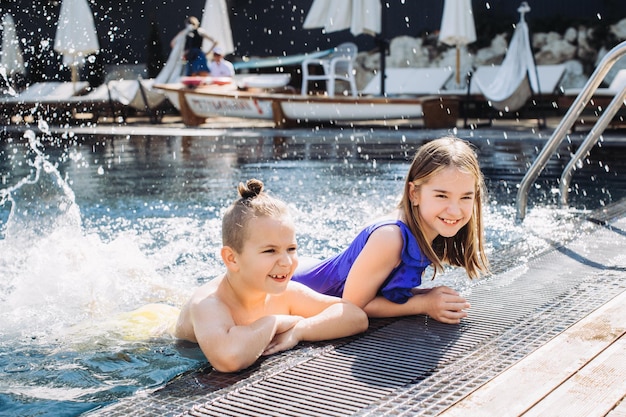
(194, 55)
(220, 67)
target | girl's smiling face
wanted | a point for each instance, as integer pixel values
(445, 202)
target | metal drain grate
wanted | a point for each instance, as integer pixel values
(412, 366)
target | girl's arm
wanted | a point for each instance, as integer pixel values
(380, 255)
(441, 303)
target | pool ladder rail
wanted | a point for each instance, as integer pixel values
(566, 124)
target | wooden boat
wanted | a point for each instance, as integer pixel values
(286, 108)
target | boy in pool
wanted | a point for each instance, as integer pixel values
(254, 309)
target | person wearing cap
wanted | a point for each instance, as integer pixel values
(194, 55)
(220, 67)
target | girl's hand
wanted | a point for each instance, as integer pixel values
(444, 304)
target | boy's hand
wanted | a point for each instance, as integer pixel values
(285, 337)
(281, 341)
(445, 305)
(285, 322)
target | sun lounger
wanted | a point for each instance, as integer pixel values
(473, 102)
(140, 96)
(600, 99)
(116, 98)
(410, 81)
(96, 103)
(38, 97)
(617, 85)
(549, 77)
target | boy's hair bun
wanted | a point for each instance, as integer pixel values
(255, 202)
(251, 188)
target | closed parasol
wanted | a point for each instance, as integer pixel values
(360, 16)
(216, 22)
(11, 59)
(76, 35)
(457, 28)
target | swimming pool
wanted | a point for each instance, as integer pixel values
(114, 222)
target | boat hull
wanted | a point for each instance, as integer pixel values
(203, 105)
(349, 111)
(198, 104)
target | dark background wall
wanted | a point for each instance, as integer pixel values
(136, 32)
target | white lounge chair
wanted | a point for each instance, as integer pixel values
(39, 97)
(549, 77)
(338, 66)
(617, 84)
(97, 102)
(600, 99)
(410, 81)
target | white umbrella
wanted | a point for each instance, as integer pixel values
(216, 22)
(76, 35)
(457, 28)
(360, 16)
(11, 58)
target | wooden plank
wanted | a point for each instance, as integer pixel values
(527, 382)
(593, 391)
(619, 410)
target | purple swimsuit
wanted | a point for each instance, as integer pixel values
(329, 276)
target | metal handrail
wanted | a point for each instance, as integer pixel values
(590, 141)
(568, 120)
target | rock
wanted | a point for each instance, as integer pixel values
(571, 35)
(405, 51)
(494, 54)
(555, 52)
(585, 51)
(619, 30)
(576, 48)
(574, 76)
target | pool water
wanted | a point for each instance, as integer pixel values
(92, 226)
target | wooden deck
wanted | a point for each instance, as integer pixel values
(581, 372)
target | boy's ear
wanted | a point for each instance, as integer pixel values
(229, 257)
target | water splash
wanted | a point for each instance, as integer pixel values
(41, 203)
(54, 273)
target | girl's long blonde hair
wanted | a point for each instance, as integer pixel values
(466, 248)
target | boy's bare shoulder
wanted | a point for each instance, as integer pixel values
(206, 293)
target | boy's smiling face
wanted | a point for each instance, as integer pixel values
(269, 255)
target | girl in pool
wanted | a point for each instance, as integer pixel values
(437, 222)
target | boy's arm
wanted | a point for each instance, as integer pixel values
(325, 318)
(230, 347)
